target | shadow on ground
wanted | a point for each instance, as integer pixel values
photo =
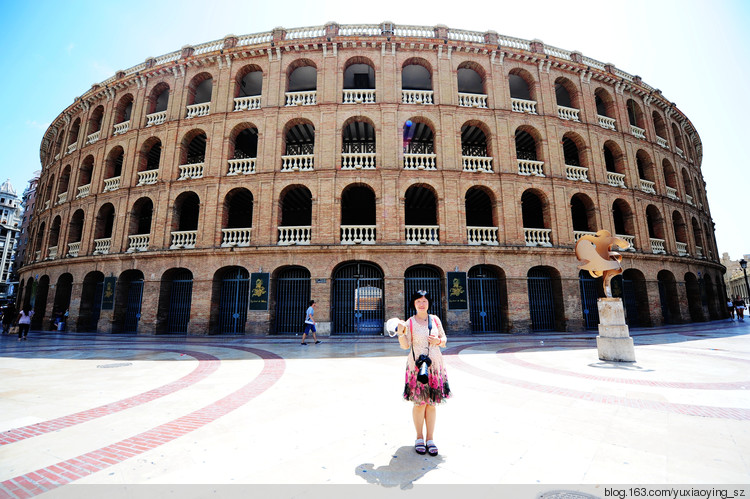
(405, 468)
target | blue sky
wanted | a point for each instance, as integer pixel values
(696, 52)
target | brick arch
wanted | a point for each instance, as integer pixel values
(158, 89)
(121, 107)
(527, 77)
(572, 89)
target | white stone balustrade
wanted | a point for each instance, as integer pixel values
(682, 249)
(648, 186)
(662, 142)
(247, 103)
(308, 98)
(568, 113)
(657, 246)
(689, 199)
(523, 106)
(358, 161)
(148, 177)
(156, 118)
(529, 167)
(138, 242)
(357, 234)
(184, 239)
(111, 184)
(72, 147)
(416, 97)
(537, 237)
(616, 179)
(679, 152)
(198, 110)
(295, 235)
(46, 205)
(472, 100)
(579, 173)
(57, 156)
(93, 137)
(699, 252)
(37, 256)
(241, 166)
(121, 128)
(638, 132)
(477, 236)
(298, 163)
(194, 170)
(51, 252)
(62, 197)
(629, 239)
(577, 234)
(481, 164)
(672, 193)
(101, 246)
(360, 96)
(74, 249)
(422, 234)
(83, 191)
(236, 237)
(420, 161)
(606, 123)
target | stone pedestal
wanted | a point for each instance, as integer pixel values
(614, 342)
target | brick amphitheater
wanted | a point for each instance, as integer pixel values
(218, 188)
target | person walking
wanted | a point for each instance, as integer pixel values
(24, 322)
(423, 334)
(310, 323)
(730, 309)
(739, 305)
(9, 315)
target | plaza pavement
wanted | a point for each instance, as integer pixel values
(527, 409)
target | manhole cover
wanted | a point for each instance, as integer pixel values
(116, 364)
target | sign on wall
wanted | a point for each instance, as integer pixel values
(108, 293)
(458, 298)
(259, 291)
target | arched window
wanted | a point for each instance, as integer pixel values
(475, 155)
(73, 135)
(95, 124)
(248, 88)
(358, 218)
(299, 147)
(302, 83)
(566, 95)
(358, 145)
(420, 210)
(528, 152)
(62, 185)
(193, 148)
(635, 115)
(660, 128)
(480, 226)
(139, 228)
(237, 218)
(185, 218)
(583, 214)
(471, 85)
(419, 145)
(84, 176)
(295, 205)
(103, 226)
(75, 232)
(536, 218)
(200, 90)
(680, 232)
(656, 232)
(123, 110)
(646, 171)
(416, 82)
(54, 238)
(148, 163)
(670, 177)
(677, 139)
(605, 109)
(522, 91)
(113, 169)
(698, 237)
(622, 217)
(158, 100)
(615, 164)
(359, 81)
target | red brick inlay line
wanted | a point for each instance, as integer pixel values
(735, 413)
(207, 365)
(65, 472)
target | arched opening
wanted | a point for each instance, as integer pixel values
(359, 74)
(680, 232)
(291, 299)
(175, 297)
(54, 238)
(237, 218)
(186, 212)
(95, 122)
(245, 143)
(571, 153)
(420, 211)
(193, 148)
(128, 299)
(583, 213)
(150, 155)
(698, 237)
(296, 207)
(526, 145)
(566, 95)
(670, 175)
(75, 229)
(104, 222)
(39, 302)
(693, 291)
(302, 76)
(426, 278)
(416, 74)
(474, 143)
(711, 298)
(488, 299)
(659, 127)
(668, 297)
(419, 145)
(299, 147)
(113, 164)
(74, 130)
(158, 100)
(471, 78)
(655, 223)
(139, 227)
(200, 89)
(521, 85)
(630, 286)
(677, 138)
(358, 218)
(635, 114)
(249, 82)
(124, 109)
(613, 158)
(62, 185)
(230, 301)
(357, 145)
(479, 208)
(645, 166)
(84, 173)
(590, 293)
(545, 299)
(61, 305)
(91, 302)
(358, 304)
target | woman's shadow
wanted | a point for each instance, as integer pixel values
(405, 468)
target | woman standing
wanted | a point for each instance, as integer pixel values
(24, 322)
(423, 334)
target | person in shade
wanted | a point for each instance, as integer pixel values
(310, 323)
(730, 308)
(739, 305)
(423, 334)
(24, 322)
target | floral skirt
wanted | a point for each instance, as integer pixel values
(435, 391)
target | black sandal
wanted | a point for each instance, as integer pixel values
(419, 446)
(432, 448)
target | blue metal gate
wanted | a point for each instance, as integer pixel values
(625, 289)
(235, 288)
(663, 299)
(358, 305)
(426, 279)
(180, 297)
(589, 298)
(541, 300)
(485, 303)
(292, 297)
(133, 306)
(96, 306)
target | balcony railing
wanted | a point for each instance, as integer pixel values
(147, 177)
(51, 252)
(236, 237)
(184, 239)
(359, 96)
(416, 97)
(657, 246)
(638, 132)
(699, 252)
(194, 170)
(101, 246)
(298, 163)
(420, 161)
(74, 249)
(156, 118)
(472, 100)
(529, 167)
(679, 152)
(579, 173)
(577, 234)
(648, 186)
(672, 193)
(422, 234)
(138, 242)
(689, 199)
(93, 137)
(62, 197)
(537, 237)
(629, 239)
(198, 110)
(616, 179)
(662, 142)
(523, 106)
(606, 123)
(567, 113)
(241, 166)
(357, 160)
(477, 236)
(308, 98)
(247, 103)
(121, 128)
(477, 164)
(72, 147)
(111, 184)
(682, 249)
(37, 256)
(289, 236)
(83, 191)
(357, 234)
(46, 204)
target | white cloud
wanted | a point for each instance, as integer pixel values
(36, 125)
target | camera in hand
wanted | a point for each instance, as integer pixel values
(423, 363)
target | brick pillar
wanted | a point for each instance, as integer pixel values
(519, 317)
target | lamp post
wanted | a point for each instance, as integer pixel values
(743, 264)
